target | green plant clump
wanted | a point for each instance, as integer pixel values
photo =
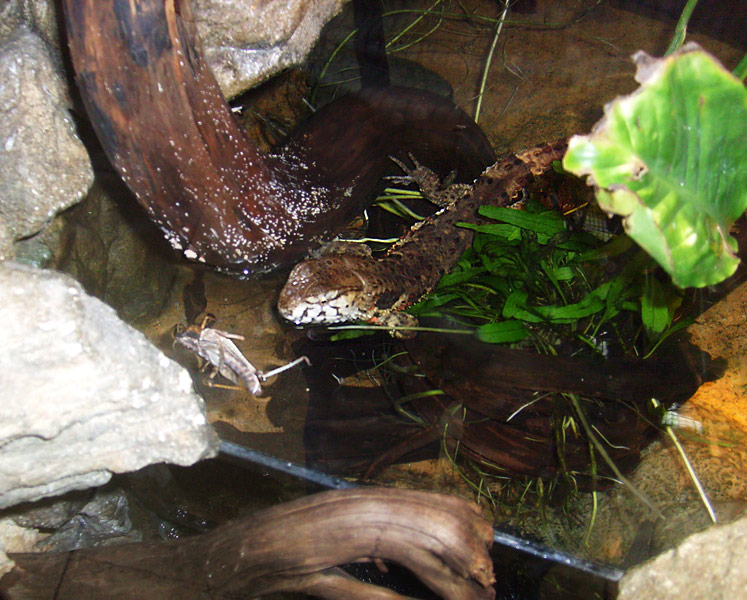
(526, 277)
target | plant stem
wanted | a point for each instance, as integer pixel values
(691, 471)
(489, 59)
(681, 29)
(610, 463)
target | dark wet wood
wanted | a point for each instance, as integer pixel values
(370, 44)
(510, 410)
(166, 128)
(347, 428)
(500, 408)
(292, 547)
(489, 373)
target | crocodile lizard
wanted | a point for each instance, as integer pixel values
(342, 287)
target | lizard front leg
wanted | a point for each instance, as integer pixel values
(441, 193)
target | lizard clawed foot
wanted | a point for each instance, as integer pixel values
(439, 193)
(420, 175)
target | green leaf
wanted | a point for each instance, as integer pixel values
(499, 284)
(670, 159)
(545, 224)
(503, 332)
(593, 303)
(457, 277)
(349, 334)
(612, 300)
(515, 303)
(572, 312)
(548, 223)
(509, 232)
(654, 311)
(563, 273)
(431, 302)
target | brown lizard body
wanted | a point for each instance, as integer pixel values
(338, 288)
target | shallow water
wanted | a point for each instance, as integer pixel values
(547, 80)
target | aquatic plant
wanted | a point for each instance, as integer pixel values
(527, 277)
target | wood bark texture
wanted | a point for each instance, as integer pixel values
(166, 128)
(295, 546)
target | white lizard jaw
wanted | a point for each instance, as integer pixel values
(327, 309)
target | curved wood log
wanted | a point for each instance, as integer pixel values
(292, 547)
(494, 410)
(168, 131)
(506, 423)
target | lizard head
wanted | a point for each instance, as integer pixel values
(327, 290)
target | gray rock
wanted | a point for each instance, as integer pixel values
(14, 538)
(84, 394)
(44, 167)
(40, 16)
(43, 249)
(6, 240)
(246, 42)
(49, 513)
(113, 249)
(102, 521)
(708, 565)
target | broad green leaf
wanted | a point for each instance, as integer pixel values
(563, 273)
(593, 303)
(671, 158)
(457, 277)
(503, 332)
(572, 312)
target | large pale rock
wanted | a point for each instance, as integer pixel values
(44, 168)
(708, 565)
(40, 16)
(246, 41)
(84, 394)
(14, 538)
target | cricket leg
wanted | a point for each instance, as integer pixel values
(264, 376)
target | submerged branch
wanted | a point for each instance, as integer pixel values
(295, 546)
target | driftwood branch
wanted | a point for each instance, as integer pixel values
(160, 117)
(292, 547)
